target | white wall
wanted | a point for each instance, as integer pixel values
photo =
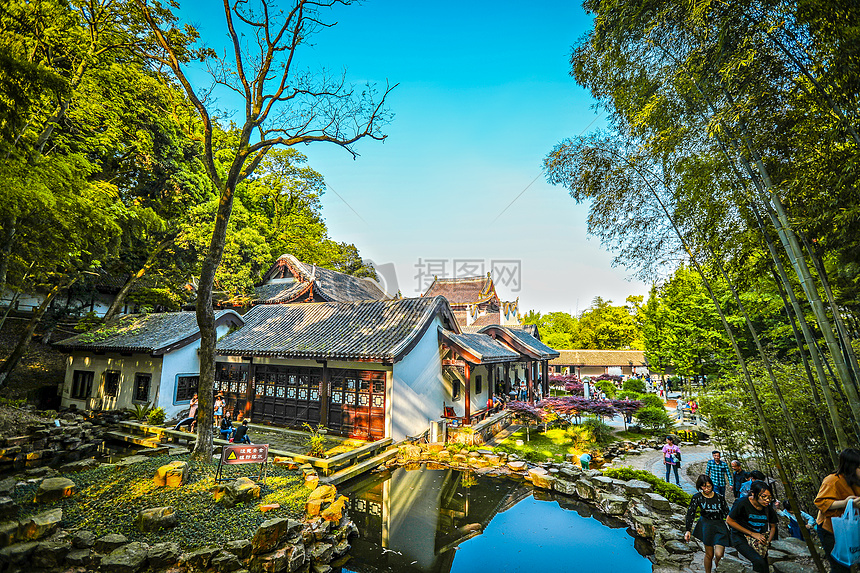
(128, 366)
(418, 388)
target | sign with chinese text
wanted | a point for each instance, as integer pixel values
(245, 454)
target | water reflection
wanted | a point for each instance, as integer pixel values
(443, 521)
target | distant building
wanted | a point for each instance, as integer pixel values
(596, 362)
(475, 302)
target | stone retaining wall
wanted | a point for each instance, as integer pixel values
(74, 438)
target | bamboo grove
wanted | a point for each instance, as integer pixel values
(732, 152)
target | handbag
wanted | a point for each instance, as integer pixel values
(846, 531)
(760, 547)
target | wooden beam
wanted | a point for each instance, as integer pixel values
(467, 421)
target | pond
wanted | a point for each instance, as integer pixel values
(443, 520)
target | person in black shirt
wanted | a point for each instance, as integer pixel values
(739, 476)
(711, 527)
(241, 434)
(226, 427)
(753, 522)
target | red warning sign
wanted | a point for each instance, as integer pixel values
(245, 454)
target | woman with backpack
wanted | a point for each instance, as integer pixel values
(672, 458)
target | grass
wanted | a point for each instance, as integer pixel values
(108, 499)
(553, 445)
(632, 436)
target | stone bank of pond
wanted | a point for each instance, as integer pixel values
(446, 520)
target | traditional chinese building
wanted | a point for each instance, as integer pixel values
(596, 362)
(475, 302)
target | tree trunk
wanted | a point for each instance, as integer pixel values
(9, 229)
(206, 322)
(134, 278)
(24, 342)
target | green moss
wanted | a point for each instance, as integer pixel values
(671, 492)
(108, 499)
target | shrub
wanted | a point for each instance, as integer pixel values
(652, 400)
(634, 385)
(315, 442)
(140, 412)
(628, 395)
(608, 387)
(156, 417)
(601, 433)
(653, 418)
(670, 491)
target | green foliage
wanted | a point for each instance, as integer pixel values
(652, 400)
(601, 433)
(654, 418)
(156, 416)
(608, 386)
(634, 385)
(140, 412)
(316, 440)
(670, 491)
(628, 395)
(88, 322)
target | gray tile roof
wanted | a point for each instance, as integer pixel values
(381, 330)
(527, 340)
(600, 358)
(481, 346)
(329, 285)
(463, 290)
(150, 333)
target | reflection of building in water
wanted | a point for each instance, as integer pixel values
(418, 518)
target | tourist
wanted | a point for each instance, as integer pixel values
(752, 476)
(718, 471)
(584, 460)
(226, 427)
(490, 405)
(739, 476)
(793, 527)
(191, 419)
(240, 436)
(753, 525)
(672, 458)
(219, 409)
(836, 489)
(679, 409)
(711, 527)
(694, 415)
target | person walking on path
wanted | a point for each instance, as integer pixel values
(711, 527)
(718, 471)
(672, 458)
(219, 409)
(836, 490)
(739, 476)
(753, 525)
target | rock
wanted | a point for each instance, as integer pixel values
(52, 489)
(565, 487)
(612, 504)
(731, 564)
(321, 553)
(8, 508)
(7, 486)
(40, 525)
(83, 539)
(675, 546)
(80, 465)
(321, 568)
(657, 502)
(517, 466)
(163, 555)
(570, 472)
(285, 462)
(312, 480)
(50, 554)
(156, 518)
(792, 567)
(585, 490)
(17, 553)
(241, 548)
(444, 455)
(110, 542)
(269, 507)
(271, 532)
(602, 483)
(225, 561)
(341, 548)
(239, 491)
(541, 478)
(644, 526)
(173, 474)
(8, 533)
(326, 493)
(79, 558)
(288, 558)
(774, 555)
(791, 546)
(198, 560)
(334, 512)
(637, 488)
(130, 461)
(128, 558)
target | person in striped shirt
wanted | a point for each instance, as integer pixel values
(718, 471)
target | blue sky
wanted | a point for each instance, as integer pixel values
(484, 94)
